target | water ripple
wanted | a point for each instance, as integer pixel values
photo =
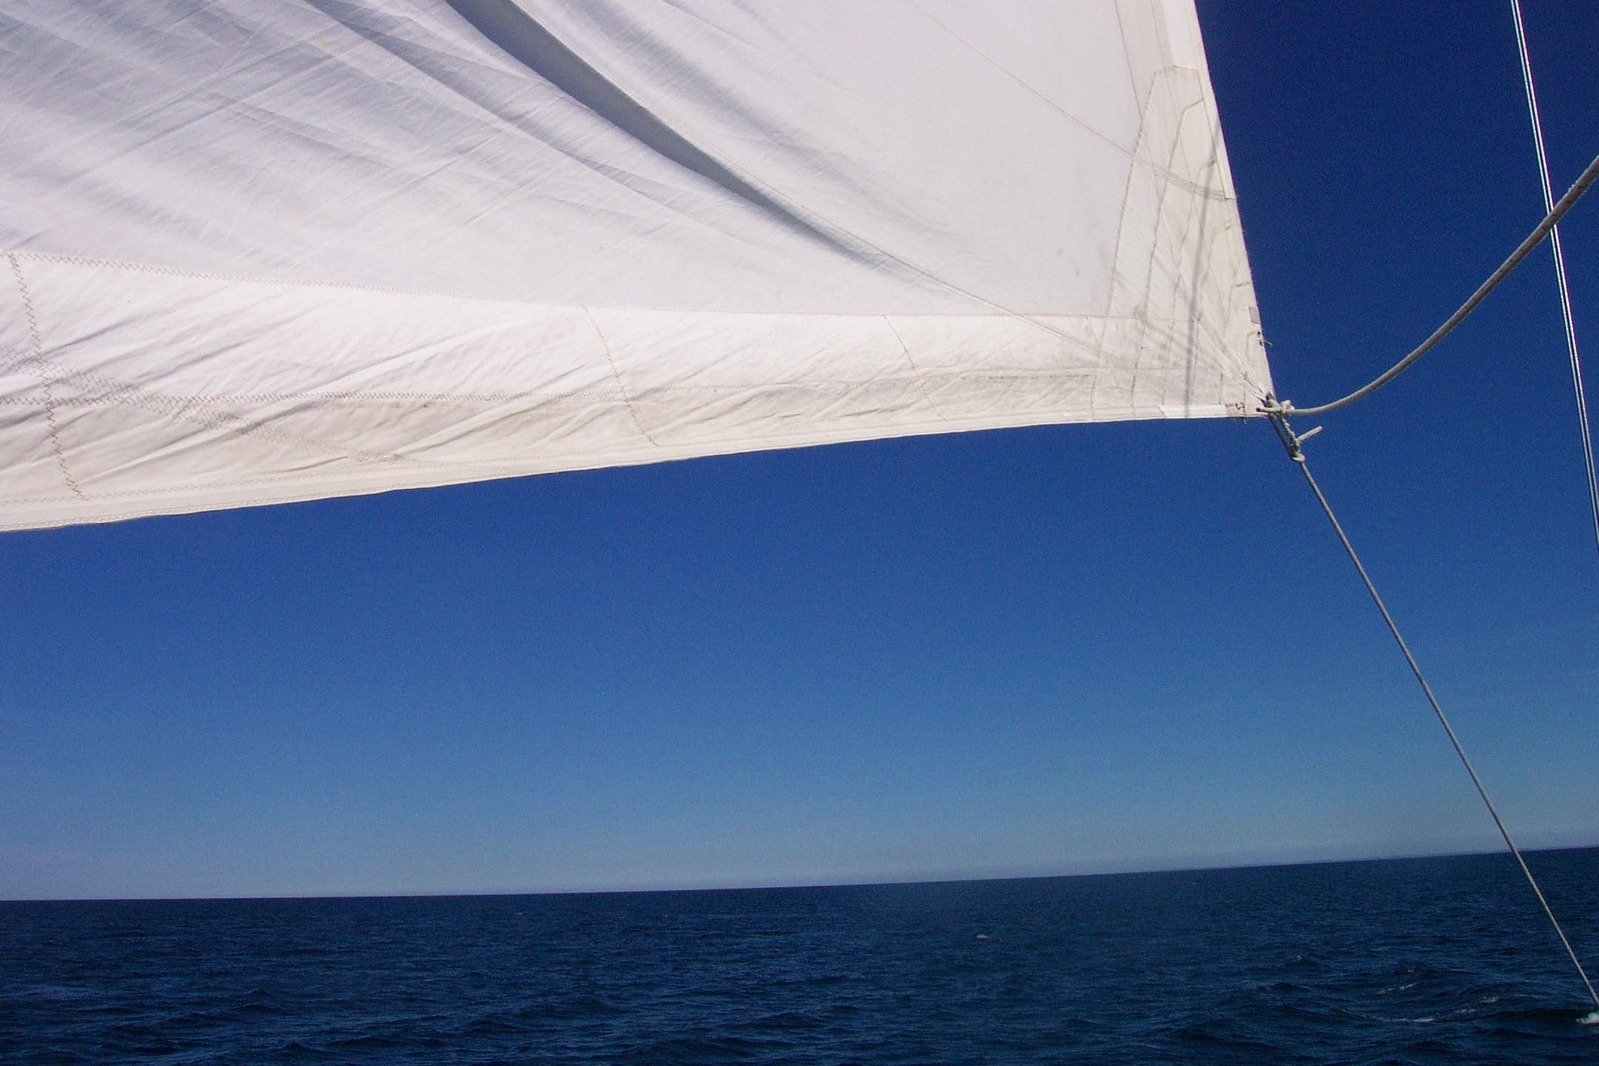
(1409, 962)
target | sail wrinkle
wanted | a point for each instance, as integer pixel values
(519, 35)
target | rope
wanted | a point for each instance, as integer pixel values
(1560, 269)
(1584, 181)
(1291, 443)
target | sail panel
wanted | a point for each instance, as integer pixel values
(263, 252)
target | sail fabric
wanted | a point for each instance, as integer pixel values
(270, 250)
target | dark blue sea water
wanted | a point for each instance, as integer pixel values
(1402, 961)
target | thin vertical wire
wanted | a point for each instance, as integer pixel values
(1560, 269)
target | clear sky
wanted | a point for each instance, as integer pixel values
(1054, 650)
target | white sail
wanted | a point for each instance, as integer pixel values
(262, 250)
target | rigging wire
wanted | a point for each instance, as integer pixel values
(1560, 269)
(1291, 443)
(1584, 181)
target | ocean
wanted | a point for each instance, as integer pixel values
(1437, 960)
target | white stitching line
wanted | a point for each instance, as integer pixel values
(121, 394)
(617, 376)
(179, 408)
(480, 471)
(394, 290)
(916, 372)
(1163, 83)
(37, 341)
(510, 467)
(1132, 155)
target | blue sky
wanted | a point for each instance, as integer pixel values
(1054, 650)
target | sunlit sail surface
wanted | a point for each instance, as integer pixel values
(271, 251)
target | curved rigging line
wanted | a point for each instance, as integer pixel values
(1583, 183)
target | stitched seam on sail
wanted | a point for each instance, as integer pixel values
(916, 373)
(617, 376)
(1200, 276)
(1132, 156)
(1127, 193)
(508, 468)
(36, 339)
(1161, 79)
(1030, 317)
(123, 394)
(156, 400)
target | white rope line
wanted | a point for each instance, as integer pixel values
(1584, 181)
(1560, 270)
(1296, 453)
